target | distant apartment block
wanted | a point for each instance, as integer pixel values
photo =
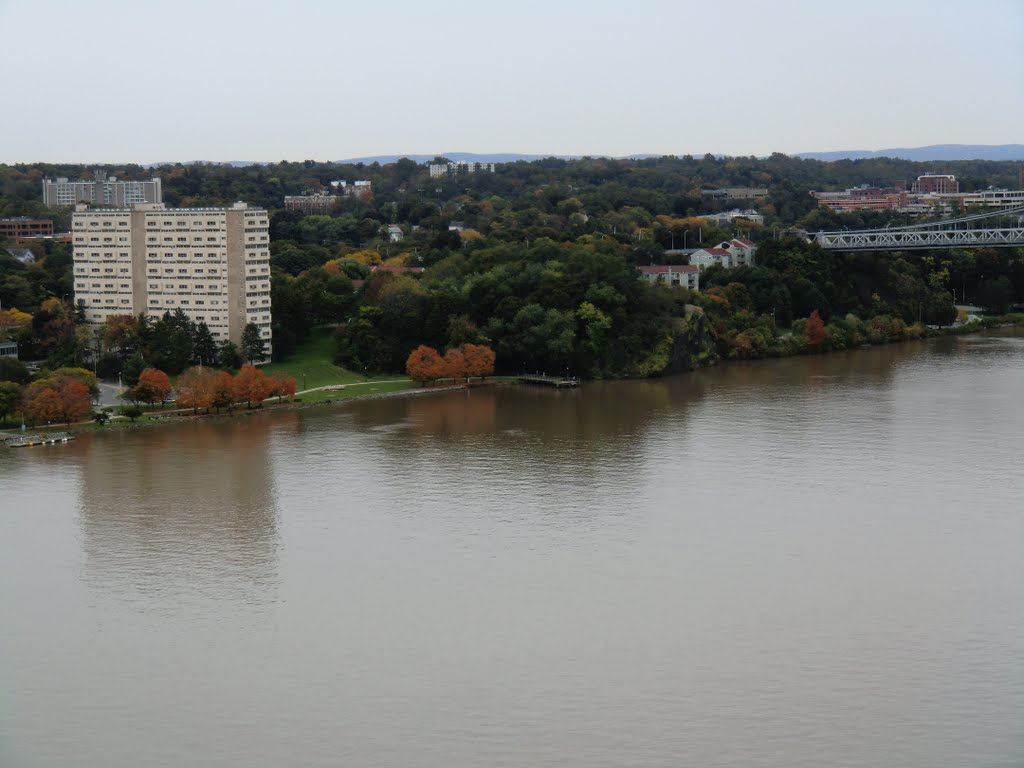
(437, 170)
(212, 263)
(941, 183)
(863, 198)
(992, 198)
(119, 194)
(672, 274)
(736, 193)
(893, 198)
(25, 228)
(318, 203)
(361, 189)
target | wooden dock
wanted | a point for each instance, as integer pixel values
(27, 441)
(543, 380)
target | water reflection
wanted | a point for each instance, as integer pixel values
(179, 511)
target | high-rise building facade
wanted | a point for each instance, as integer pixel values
(212, 263)
(58, 193)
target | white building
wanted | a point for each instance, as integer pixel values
(212, 263)
(728, 217)
(62, 192)
(451, 169)
(686, 275)
(739, 252)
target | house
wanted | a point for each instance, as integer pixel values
(686, 275)
(9, 349)
(395, 233)
(738, 252)
(707, 257)
(24, 255)
(743, 251)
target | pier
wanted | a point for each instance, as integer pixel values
(27, 441)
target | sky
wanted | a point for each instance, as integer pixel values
(108, 81)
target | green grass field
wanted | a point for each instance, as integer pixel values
(312, 367)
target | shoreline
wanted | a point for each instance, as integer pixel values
(177, 417)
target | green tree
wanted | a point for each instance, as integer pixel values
(254, 346)
(228, 354)
(995, 294)
(131, 411)
(10, 396)
(133, 368)
(203, 345)
(12, 369)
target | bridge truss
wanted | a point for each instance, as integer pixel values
(951, 233)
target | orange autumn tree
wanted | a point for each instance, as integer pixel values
(75, 400)
(283, 386)
(196, 388)
(479, 360)
(59, 398)
(44, 406)
(454, 363)
(153, 386)
(814, 330)
(424, 364)
(222, 391)
(252, 385)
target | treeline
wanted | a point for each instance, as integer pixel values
(536, 260)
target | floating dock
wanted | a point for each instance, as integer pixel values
(543, 380)
(27, 441)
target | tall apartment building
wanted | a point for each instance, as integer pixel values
(120, 194)
(212, 263)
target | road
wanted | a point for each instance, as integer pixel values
(109, 393)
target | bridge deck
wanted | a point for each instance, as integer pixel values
(894, 240)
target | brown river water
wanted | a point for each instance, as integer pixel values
(799, 563)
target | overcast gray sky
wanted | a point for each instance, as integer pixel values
(141, 81)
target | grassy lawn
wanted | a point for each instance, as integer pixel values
(312, 367)
(358, 389)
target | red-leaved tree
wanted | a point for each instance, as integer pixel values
(252, 385)
(195, 388)
(454, 364)
(479, 360)
(424, 364)
(814, 330)
(153, 386)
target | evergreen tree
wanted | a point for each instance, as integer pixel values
(228, 354)
(133, 368)
(254, 348)
(203, 345)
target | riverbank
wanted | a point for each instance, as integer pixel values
(353, 390)
(332, 395)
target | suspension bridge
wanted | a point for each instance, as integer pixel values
(974, 231)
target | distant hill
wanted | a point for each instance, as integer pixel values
(933, 152)
(917, 154)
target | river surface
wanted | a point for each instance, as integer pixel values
(800, 563)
